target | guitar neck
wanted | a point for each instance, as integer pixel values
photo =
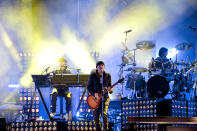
(111, 87)
(114, 84)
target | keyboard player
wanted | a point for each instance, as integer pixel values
(57, 91)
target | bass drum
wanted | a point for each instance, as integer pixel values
(158, 87)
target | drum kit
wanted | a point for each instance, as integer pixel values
(160, 74)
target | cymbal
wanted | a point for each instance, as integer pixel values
(184, 46)
(145, 45)
(140, 69)
(181, 63)
(136, 69)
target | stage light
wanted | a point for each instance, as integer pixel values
(17, 124)
(89, 110)
(90, 123)
(55, 128)
(50, 128)
(20, 98)
(54, 123)
(86, 123)
(31, 129)
(45, 123)
(77, 128)
(73, 122)
(172, 53)
(40, 123)
(29, 98)
(45, 128)
(77, 115)
(31, 123)
(36, 124)
(37, 54)
(13, 85)
(20, 54)
(84, 98)
(82, 123)
(69, 122)
(36, 128)
(26, 124)
(37, 98)
(73, 128)
(40, 128)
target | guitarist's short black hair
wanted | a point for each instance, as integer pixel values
(99, 63)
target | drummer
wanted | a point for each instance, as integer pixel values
(161, 62)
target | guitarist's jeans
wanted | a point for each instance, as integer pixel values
(97, 114)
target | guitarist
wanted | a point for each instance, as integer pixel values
(94, 87)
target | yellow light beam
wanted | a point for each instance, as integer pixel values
(77, 51)
(9, 44)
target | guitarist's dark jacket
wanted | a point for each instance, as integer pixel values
(94, 84)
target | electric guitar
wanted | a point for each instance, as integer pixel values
(93, 102)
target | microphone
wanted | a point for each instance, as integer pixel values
(192, 27)
(45, 70)
(127, 31)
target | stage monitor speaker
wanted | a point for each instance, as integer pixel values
(171, 128)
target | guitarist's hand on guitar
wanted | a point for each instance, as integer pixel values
(109, 89)
(97, 96)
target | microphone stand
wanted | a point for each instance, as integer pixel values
(102, 98)
(134, 64)
(195, 42)
(121, 69)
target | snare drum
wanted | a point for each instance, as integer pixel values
(155, 71)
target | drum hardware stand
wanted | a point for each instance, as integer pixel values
(146, 91)
(134, 64)
(120, 73)
(195, 41)
(194, 97)
(134, 84)
(134, 53)
(78, 75)
(178, 92)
